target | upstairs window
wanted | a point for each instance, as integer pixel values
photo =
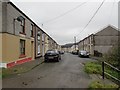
(23, 27)
(43, 37)
(38, 36)
(22, 20)
(31, 31)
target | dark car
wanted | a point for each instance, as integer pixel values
(52, 55)
(75, 52)
(61, 52)
(83, 53)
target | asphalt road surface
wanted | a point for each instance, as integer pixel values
(68, 73)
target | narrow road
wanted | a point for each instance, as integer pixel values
(68, 73)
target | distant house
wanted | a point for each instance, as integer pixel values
(100, 42)
(74, 47)
(68, 47)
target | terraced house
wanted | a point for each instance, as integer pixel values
(21, 39)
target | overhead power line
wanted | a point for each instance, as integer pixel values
(109, 18)
(64, 13)
(92, 16)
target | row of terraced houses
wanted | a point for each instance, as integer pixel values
(21, 40)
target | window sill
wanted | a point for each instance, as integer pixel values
(32, 36)
(22, 33)
(22, 56)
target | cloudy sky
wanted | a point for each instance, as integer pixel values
(64, 19)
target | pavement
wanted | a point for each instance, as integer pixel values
(22, 68)
(67, 73)
(31, 64)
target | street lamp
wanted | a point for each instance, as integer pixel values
(75, 41)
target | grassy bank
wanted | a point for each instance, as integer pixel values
(96, 68)
(98, 84)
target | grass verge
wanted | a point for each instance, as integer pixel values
(93, 68)
(96, 68)
(98, 84)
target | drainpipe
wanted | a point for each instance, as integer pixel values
(14, 26)
(35, 40)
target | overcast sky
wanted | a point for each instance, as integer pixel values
(62, 26)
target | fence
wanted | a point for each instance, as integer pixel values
(105, 73)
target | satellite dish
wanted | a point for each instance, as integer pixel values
(20, 18)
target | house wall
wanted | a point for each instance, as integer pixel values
(105, 39)
(43, 43)
(65, 49)
(1, 48)
(0, 31)
(12, 14)
(11, 49)
(102, 49)
(0, 16)
(36, 43)
(4, 17)
(51, 44)
(87, 44)
(80, 45)
(46, 43)
(11, 40)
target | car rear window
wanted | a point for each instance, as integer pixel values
(83, 52)
(50, 51)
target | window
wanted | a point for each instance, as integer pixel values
(31, 31)
(42, 36)
(38, 40)
(23, 26)
(38, 37)
(38, 49)
(22, 47)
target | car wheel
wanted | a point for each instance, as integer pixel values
(57, 59)
(45, 60)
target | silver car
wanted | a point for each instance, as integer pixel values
(83, 53)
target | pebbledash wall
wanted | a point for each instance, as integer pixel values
(10, 32)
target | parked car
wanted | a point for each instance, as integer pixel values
(61, 52)
(83, 53)
(52, 55)
(75, 52)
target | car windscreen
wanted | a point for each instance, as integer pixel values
(84, 52)
(50, 51)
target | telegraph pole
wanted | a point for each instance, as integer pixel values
(75, 41)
